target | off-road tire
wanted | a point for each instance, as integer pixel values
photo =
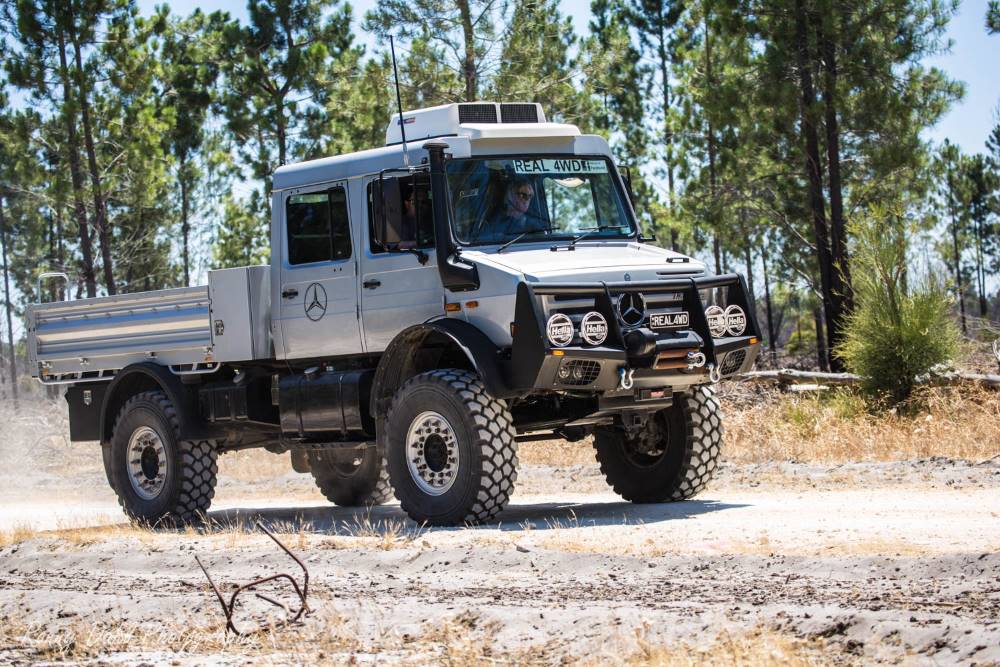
(485, 441)
(689, 433)
(106, 460)
(191, 465)
(348, 485)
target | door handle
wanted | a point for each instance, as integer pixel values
(289, 293)
(371, 284)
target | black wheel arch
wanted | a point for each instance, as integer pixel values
(147, 376)
(441, 343)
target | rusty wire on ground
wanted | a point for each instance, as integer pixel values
(290, 617)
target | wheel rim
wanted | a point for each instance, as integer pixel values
(647, 448)
(147, 463)
(432, 453)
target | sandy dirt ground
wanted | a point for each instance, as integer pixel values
(858, 563)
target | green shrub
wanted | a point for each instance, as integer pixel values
(902, 325)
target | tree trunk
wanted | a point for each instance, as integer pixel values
(980, 268)
(76, 177)
(282, 132)
(711, 150)
(822, 355)
(772, 338)
(469, 63)
(748, 259)
(668, 132)
(814, 175)
(100, 214)
(838, 230)
(7, 302)
(958, 255)
(60, 250)
(182, 182)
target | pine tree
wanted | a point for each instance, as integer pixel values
(189, 73)
(461, 33)
(536, 63)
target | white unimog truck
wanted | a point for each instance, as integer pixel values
(428, 306)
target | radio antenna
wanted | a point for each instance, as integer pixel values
(399, 103)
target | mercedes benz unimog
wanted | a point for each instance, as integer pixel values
(429, 305)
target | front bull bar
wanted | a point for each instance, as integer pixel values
(531, 346)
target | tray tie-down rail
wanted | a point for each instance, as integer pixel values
(290, 617)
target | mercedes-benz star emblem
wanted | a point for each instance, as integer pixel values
(631, 309)
(315, 302)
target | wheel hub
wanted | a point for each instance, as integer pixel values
(147, 463)
(647, 446)
(432, 453)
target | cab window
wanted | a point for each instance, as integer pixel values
(411, 225)
(318, 226)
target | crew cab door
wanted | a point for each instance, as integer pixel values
(317, 300)
(397, 291)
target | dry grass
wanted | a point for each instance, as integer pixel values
(833, 427)
(760, 646)
(836, 427)
(254, 465)
(87, 640)
(16, 535)
(463, 640)
(322, 638)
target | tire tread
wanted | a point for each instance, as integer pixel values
(198, 461)
(493, 433)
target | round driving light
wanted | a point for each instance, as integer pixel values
(559, 330)
(594, 328)
(564, 370)
(716, 317)
(736, 321)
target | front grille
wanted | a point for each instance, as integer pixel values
(518, 113)
(477, 113)
(733, 362)
(581, 372)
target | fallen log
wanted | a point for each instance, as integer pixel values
(788, 376)
(949, 379)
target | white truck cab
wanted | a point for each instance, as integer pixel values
(428, 304)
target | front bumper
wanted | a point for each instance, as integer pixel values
(634, 356)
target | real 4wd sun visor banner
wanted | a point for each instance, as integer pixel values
(560, 166)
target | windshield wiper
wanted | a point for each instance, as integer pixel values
(587, 231)
(521, 236)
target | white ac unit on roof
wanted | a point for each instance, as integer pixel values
(446, 119)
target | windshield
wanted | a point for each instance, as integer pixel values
(499, 200)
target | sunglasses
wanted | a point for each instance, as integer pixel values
(524, 196)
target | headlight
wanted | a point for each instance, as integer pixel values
(594, 328)
(736, 321)
(716, 321)
(559, 329)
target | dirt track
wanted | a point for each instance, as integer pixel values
(862, 562)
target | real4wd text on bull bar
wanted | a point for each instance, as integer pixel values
(428, 306)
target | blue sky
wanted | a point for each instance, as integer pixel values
(974, 59)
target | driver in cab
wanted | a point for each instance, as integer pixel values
(515, 216)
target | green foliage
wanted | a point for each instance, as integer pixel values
(461, 34)
(535, 62)
(243, 237)
(902, 325)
